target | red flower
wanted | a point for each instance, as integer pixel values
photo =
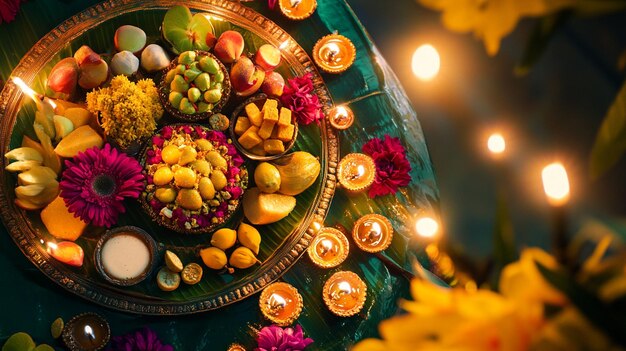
(8, 10)
(392, 167)
(298, 96)
(272, 4)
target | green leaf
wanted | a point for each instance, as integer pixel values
(503, 238)
(600, 314)
(539, 39)
(610, 141)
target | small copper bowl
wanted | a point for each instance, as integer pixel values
(258, 100)
(126, 230)
(164, 91)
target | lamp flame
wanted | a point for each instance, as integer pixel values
(496, 143)
(25, 88)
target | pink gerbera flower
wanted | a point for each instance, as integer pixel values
(97, 181)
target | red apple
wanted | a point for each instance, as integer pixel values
(93, 70)
(245, 77)
(229, 46)
(64, 76)
(267, 57)
(273, 84)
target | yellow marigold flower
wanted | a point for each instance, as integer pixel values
(128, 111)
(491, 20)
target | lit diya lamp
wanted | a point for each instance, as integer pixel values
(356, 172)
(125, 256)
(334, 53)
(281, 303)
(297, 9)
(86, 332)
(344, 293)
(67, 252)
(372, 233)
(236, 347)
(341, 117)
(329, 248)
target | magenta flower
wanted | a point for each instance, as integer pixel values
(298, 96)
(141, 340)
(392, 167)
(275, 338)
(97, 181)
(272, 4)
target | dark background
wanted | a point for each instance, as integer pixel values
(551, 114)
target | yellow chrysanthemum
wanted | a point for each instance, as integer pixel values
(127, 111)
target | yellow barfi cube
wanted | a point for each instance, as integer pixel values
(250, 138)
(243, 123)
(269, 104)
(270, 114)
(285, 117)
(285, 133)
(273, 146)
(254, 114)
(266, 129)
(259, 150)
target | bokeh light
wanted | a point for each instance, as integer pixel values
(426, 62)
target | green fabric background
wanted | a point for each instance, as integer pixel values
(30, 302)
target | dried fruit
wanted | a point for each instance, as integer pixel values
(173, 262)
(249, 237)
(165, 195)
(218, 179)
(162, 176)
(170, 154)
(57, 328)
(185, 177)
(242, 258)
(224, 238)
(191, 274)
(206, 188)
(213, 258)
(167, 280)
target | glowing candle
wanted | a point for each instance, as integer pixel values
(426, 62)
(329, 248)
(372, 233)
(334, 53)
(66, 252)
(297, 9)
(341, 117)
(281, 303)
(87, 332)
(344, 293)
(557, 190)
(356, 172)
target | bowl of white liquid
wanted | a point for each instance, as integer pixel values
(125, 256)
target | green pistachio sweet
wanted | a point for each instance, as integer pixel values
(191, 74)
(213, 95)
(219, 77)
(179, 84)
(194, 94)
(186, 106)
(203, 81)
(204, 107)
(208, 64)
(187, 57)
(169, 77)
(180, 69)
(175, 98)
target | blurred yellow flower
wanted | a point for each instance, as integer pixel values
(522, 280)
(457, 320)
(491, 20)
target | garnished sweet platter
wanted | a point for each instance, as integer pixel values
(194, 179)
